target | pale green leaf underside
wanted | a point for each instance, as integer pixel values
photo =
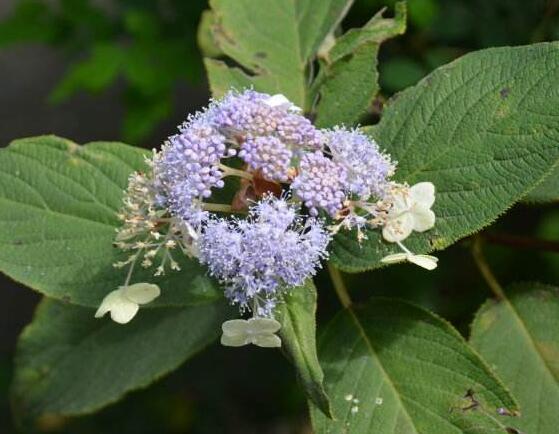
(408, 371)
(297, 315)
(484, 129)
(58, 205)
(69, 363)
(272, 42)
(519, 337)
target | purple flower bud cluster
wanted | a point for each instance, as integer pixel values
(188, 167)
(265, 131)
(260, 257)
(267, 154)
(245, 113)
(298, 131)
(368, 170)
(320, 184)
(273, 248)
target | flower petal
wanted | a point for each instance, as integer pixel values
(424, 261)
(280, 101)
(423, 193)
(235, 327)
(400, 203)
(394, 258)
(263, 325)
(423, 218)
(267, 340)
(234, 340)
(398, 229)
(112, 299)
(141, 293)
(124, 312)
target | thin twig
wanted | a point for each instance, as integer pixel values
(522, 242)
(339, 285)
(484, 268)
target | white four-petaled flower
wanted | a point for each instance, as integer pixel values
(124, 303)
(411, 211)
(257, 331)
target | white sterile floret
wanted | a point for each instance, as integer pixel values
(280, 101)
(123, 303)
(411, 211)
(425, 261)
(257, 331)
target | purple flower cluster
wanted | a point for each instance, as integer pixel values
(320, 184)
(267, 154)
(244, 113)
(339, 172)
(351, 164)
(298, 131)
(260, 114)
(265, 131)
(368, 170)
(274, 248)
(188, 168)
(258, 258)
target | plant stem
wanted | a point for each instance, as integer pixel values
(218, 207)
(339, 285)
(522, 242)
(132, 265)
(484, 268)
(229, 171)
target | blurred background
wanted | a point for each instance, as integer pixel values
(130, 70)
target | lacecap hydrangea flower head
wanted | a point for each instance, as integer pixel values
(289, 186)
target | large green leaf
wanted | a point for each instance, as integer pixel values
(348, 79)
(391, 367)
(69, 363)
(484, 129)
(273, 42)
(298, 333)
(546, 191)
(519, 337)
(58, 205)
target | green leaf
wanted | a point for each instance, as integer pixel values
(206, 41)
(58, 205)
(349, 88)
(484, 129)
(378, 30)
(69, 363)
(348, 79)
(298, 329)
(249, 36)
(93, 74)
(519, 337)
(546, 191)
(391, 367)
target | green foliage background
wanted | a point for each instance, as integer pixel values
(149, 48)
